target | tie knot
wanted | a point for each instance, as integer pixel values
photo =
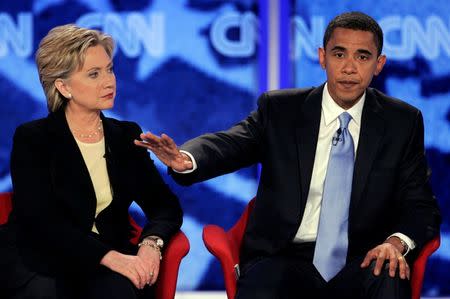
(344, 119)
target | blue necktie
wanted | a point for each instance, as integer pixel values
(332, 236)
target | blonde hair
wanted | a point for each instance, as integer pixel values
(61, 52)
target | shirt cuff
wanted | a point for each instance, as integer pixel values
(411, 244)
(194, 164)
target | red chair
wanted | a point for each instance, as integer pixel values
(225, 247)
(176, 249)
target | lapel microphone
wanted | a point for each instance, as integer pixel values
(337, 138)
(107, 155)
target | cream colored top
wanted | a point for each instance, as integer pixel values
(93, 155)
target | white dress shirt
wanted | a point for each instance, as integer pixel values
(329, 124)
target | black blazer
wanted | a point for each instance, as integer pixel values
(391, 191)
(54, 200)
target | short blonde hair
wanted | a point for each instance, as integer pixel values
(61, 52)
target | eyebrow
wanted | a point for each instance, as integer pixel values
(110, 64)
(361, 51)
(364, 51)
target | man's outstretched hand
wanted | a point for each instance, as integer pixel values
(166, 150)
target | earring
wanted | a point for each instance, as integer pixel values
(69, 96)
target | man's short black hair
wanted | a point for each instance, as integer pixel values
(355, 20)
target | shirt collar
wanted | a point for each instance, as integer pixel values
(331, 110)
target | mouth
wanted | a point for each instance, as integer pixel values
(348, 84)
(108, 96)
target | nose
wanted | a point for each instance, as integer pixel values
(349, 66)
(110, 81)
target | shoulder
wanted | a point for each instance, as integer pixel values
(393, 107)
(129, 129)
(286, 95)
(285, 100)
(32, 131)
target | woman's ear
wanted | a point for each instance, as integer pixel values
(62, 87)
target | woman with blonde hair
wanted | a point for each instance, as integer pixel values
(75, 174)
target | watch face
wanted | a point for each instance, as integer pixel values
(159, 242)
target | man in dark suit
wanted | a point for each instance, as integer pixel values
(344, 202)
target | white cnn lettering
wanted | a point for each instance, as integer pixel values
(17, 38)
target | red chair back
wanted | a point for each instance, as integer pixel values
(236, 233)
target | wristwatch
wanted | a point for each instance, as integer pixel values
(405, 247)
(158, 241)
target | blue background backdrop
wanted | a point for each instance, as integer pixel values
(186, 67)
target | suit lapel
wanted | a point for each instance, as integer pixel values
(372, 130)
(70, 174)
(113, 149)
(307, 135)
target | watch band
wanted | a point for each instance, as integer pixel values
(151, 244)
(158, 241)
(405, 247)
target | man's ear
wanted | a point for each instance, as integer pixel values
(321, 52)
(381, 61)
(62, 87)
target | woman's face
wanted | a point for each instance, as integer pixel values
(93, 87)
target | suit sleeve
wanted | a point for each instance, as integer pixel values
(159, 204)
(420, 217)
(227, 151)
(41, 220)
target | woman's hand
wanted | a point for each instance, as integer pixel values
(130, 266)
(151, 259)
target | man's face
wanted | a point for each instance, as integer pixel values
(350, 60)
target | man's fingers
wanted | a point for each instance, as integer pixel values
(143, 144)
(150, 138)
(379, 264)
(169, 144)
(402, 267)
(408, 271)
(167, 140)
(393, 263)
(369, 257)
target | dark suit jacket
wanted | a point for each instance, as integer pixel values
(391, 192)
(54, 200)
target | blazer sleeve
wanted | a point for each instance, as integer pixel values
(227, 151)
(159, 204)
(39, 218)
(420, 218)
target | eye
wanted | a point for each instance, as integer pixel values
(111, 70)
(93, 75)
(363, 57)
(339, 54)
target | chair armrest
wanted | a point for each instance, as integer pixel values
(217, 242)
(176, 249)
(5, 206)
(136, 231)
(418, 270)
